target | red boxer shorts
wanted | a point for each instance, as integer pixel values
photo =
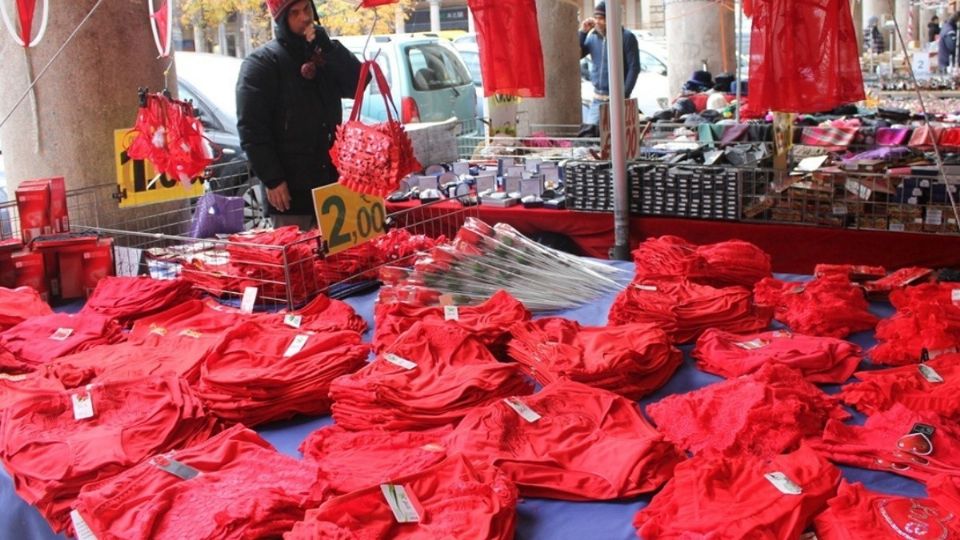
(452, 499)
(40, 340)
(857, 512)
(820, 360)
(51, 455)
(127, 299)
(322, 314)
(897, 440)
(631, 360)
(734, 262)
(945, 490)
(432, 375)
(685, 309)
(766, 413)
(20, 304)
(574, 442)
(354, 460)
(829, 306)
(927, 317)
(196, 318)
(258, 373)
(243, 489)
(933, 386)
(488, 321)
(740, 497)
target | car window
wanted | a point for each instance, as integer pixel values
(472, 60)
(649, 62)
(433, 67)
(206, 117)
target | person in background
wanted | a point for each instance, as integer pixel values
(947, 47)
(593, 41)
(933, 29)
(288, 109)
(872, 37)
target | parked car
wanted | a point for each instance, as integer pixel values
(470, 54)
(652, 89)
(428, 79)
(210, 81)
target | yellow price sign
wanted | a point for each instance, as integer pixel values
(347, 218)
(138, 181)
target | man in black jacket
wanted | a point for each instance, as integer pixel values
(288, 108)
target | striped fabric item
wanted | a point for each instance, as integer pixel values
(828, 136)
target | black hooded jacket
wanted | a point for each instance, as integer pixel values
(286, 122)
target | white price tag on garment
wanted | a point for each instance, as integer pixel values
(955, 296)
(522, 409)
(80, 526)
(13, 378)
(62, 334)
(783, 484)
(400, 503)
(296, 345)
(249, 299)
(399, 361)
(642, 287)
(752, 344)
(451, 313)
(930, 374)
(82, 404)
(293, 321)
(190, 333)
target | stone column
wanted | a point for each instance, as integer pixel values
(558, 21)
(856, 6)
(89, 91)
(698, 32)
(399, 20)
(630, 15)
(434, 15)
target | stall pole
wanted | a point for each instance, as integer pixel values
(621, 193)
(739, 56)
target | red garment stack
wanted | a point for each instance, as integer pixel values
(631, 360)
(353, 460)
(927, 317)
(432, 375)
(724, 264)
(853, 272)
(685, 309)
(488, 321)
(243, 488)
(127, 299)
(818, 359)
(829, 306)
(857, 512)
(766, 413)
(736, 497)
(451, 499)
(18, 305)
(40, 340)
(51, 454)
(322, 314)
(260, 373)
(194, 318)
(933, 386)
(16, 387)
(563, 445)
(896, 441)
(881, 288)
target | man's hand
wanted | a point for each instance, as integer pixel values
(588, 25)
(279, 197)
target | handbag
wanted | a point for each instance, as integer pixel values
(372, 159)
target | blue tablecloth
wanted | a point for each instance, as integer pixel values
(538, 519)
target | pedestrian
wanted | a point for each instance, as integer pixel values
(933, 29)
(288, 109)
(593, 42)
(873, 38)
(947, 46)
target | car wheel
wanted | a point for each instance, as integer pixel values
(254, 209)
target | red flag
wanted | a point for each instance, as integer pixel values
(375, 3)
(25, 11)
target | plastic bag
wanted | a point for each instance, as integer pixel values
(216, 214)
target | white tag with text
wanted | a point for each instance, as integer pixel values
(62, 334)
(399, 361)
(783, 484)
(522, 409)
(81, 527)
(930, 374)
(249, 299)
(296, 345)
(400, 503)
(451, 313)
(82, 404)
(293, 321)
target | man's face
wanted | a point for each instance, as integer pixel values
(601, 24)
(300, 17)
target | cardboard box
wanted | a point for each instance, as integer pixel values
(33, 207)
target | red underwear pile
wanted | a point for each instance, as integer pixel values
(127, 299)
(451, 499)
(740, 497)
(927, 317)
(40, 340)
(243, 488)
(194, 318)
(857, 512)
(724, 264)
(819, 359)
(20, 304)
(684, 309)
(488, 321)
(766, 413)
(898, 441)
(829, 306)
(266, 264)
(573, 442)
(631, 360)
(932, 386)
(259, 373)
(432, 375)
(322, 314)
(945, 489)
(51, 454)
(353, 460)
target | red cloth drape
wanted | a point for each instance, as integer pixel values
(375, 3)
(25, 11)
(511, 58)
(803, 56)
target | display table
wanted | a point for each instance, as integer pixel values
(538, 519)
(795, 249)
